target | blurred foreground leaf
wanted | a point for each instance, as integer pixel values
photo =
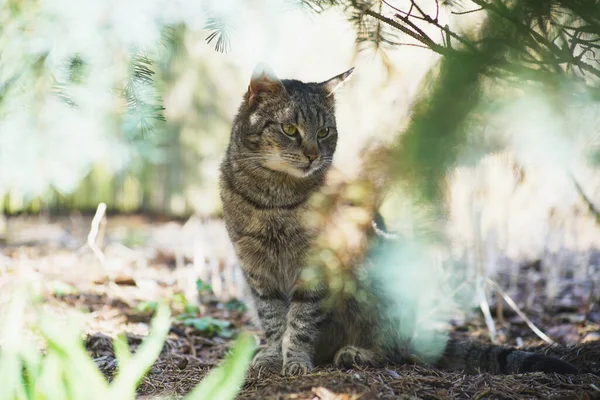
(225, 381)
(66, 370)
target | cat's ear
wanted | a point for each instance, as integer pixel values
(332, 85)
(263, 82)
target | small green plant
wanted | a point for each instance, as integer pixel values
(236, 305)
(180, 302)
(61, 289)
(209, 326)
(67, 372)
(134, 238)
(203, 287)
(146, 306)
(190, 308)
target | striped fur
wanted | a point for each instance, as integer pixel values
(267, 180)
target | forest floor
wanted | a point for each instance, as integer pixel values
(148, 260)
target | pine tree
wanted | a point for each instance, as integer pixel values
(550, 46)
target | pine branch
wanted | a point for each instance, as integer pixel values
(419, 35)
(219, 31)
(551, 53)
(144, 107)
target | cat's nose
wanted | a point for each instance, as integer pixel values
(312, 156)
(311, 153)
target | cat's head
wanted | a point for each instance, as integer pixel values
(289, 126)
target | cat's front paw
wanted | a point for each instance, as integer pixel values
(350, 356)
(267, 360)
(296, 367)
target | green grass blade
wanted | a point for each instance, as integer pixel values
(132, 371)
(225, 381)
(121, 349)
(12, 339)
(64, 343)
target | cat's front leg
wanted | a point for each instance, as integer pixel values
(271, 307)
(304, 321)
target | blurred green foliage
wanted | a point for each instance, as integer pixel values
(99, 109)
(67, 372)
(208, 326)
(236, 305)
(146, 306)
(82, 114)
(521, 76)
(491, 55)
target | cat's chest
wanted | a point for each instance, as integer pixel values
(279, 236)
(271, 243)
(283, 227)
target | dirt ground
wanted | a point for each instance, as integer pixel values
(145, 260)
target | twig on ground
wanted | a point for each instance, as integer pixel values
(485, 308)
(500, 312)
(190, 339)
(91, 241)
(521, 314)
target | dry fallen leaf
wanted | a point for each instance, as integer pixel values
(326, 394)
(124, 280)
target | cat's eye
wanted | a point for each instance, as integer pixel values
(323, 133)
(289, 129)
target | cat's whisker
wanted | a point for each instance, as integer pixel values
(250, 158)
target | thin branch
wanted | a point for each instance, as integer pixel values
(394, 8)
(91, 240)
(408, 44)
(405, 17)
(445, 29)
(485, 309)
(576, 37)
(410, 28)
(521, 314)
(447, 37)
(426, 40)
(425, 16)
(415, 27)
(405, 13)
(551, 49)
(466, 12)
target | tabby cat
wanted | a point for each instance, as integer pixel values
(282, 144)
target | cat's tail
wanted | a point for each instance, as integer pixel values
(473, 357)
